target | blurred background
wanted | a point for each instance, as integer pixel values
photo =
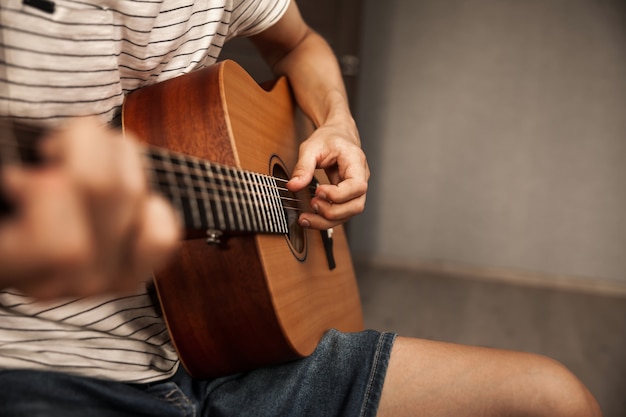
(496, 135)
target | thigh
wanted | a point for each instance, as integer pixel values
(442, 379)
(343, 377)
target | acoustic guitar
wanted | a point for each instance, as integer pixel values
(249, 287)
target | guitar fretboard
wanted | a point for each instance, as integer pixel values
(207, 195)
(215, 196)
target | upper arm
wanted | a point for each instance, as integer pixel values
(282, 37)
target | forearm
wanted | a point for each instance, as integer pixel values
(316, 79)
(294, 50)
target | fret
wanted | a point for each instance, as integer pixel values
(249, 199)
(170, 187)
(206, 196)
(204, 186)
(261, 204)
(281, 208)
(273, 204)
(152, 175)
(281, 220)
(254, 200)
(216, 204)
(215, 196)
(266, 203)
(226, 200)
(236, 203)
(219, 195)
(192, 198)
(181, 187)
(204, 205)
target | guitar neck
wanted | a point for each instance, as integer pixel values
(208, 196)
(212, 196)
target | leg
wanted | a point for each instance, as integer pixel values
(343, 377)
(442, 379)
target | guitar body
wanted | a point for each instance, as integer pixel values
(253, 299)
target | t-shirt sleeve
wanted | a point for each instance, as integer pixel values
(249, 17)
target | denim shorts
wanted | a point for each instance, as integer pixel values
(343, 377)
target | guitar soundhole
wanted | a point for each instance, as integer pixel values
(292, 206)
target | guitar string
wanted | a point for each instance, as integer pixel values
(212, 166)
(203, 179)
(200, 181)
(210, 183)
(188, 195)
(266, 219)
(246, 197)
(213, 177)
(7, 143)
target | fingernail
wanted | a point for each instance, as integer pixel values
(315, 208)
(305, 223)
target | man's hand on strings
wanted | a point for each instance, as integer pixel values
(334, 147)
(293, 49)
(85, 222)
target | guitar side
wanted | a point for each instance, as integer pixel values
(252, 300)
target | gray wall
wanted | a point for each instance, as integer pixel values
(496, 133)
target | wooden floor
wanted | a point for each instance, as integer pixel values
(585, 332)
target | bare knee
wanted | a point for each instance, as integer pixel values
(434, 378)
(555, 391)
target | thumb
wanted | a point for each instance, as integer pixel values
(302, 173)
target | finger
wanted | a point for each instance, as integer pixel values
(348, 177)
(303, 171)
(334, 212)
(343, 192)
(157, 236)
(15, 256)
(99, 158)
(315, 221)
(301, 178)
(117, 203)
(150, 250)
(48, 231)
(108, 171)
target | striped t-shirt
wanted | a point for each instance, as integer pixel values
(66, 58)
